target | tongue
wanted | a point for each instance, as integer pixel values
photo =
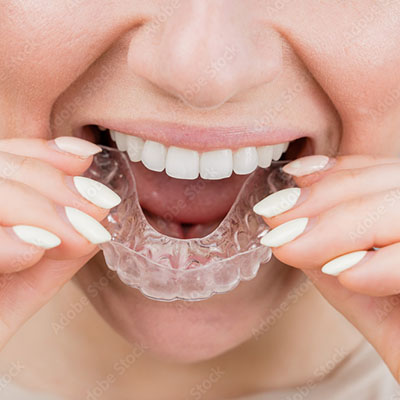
(185, 201)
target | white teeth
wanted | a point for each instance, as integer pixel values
(182, 163)
(135, 147)
(264, 156)
(245, 160)
(277, 151)
(153, 155)
(285, 146)
(216, 164)
(120, 138)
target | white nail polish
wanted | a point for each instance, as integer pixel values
(36, 236)
(285, 233)
(77, 146)
(340, 264)
(87, 226)
(96, 192)
(278, 202)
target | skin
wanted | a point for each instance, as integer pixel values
(346, 103)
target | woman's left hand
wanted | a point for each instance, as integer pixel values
(350, 208)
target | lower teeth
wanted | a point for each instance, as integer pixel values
(166, 268)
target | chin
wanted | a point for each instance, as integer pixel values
(187, 332)
(184, 331)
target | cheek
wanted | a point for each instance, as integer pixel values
(356, 63)
(49, 44)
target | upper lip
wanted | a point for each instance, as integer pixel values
(202, 138)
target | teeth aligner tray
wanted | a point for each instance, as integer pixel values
(166, 268)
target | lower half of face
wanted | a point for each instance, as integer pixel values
(159, 80)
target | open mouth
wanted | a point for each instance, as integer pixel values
(183, 192)
(193, 234)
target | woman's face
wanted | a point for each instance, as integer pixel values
(325, 70)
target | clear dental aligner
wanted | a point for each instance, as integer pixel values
(165, 268)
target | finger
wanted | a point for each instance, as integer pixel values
(377, 273)
(62, 189)
(311, 169)
(340, 186)
(78, 232)
(358, 224)
(376, 318)
(71, 155)
(25, 292)
(17, 254)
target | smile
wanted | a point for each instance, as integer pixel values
(181, 163)
(191, 152)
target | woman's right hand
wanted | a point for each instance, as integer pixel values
(36, 184)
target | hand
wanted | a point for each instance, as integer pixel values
(43, 244)
(350, 207)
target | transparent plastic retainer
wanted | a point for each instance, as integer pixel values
(165, 268)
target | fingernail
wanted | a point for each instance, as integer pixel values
(36, 236)
(96, 192)
(340, 264)
(87, 226)
(278, 202)
(306, 165)
(77, 146)
(285, 233)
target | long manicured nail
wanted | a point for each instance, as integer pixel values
(285, 233)
(76, 146)
(36, 236)
(278, 202)
(96, 192)
(306, 165)
(87, 226)
(340, 264)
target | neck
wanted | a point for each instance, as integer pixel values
(305, 341)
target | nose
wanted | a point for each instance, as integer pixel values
(206, 52)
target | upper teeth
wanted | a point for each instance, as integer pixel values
(183, 163)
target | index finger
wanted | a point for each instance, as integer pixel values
(69, 154)
(342, 179)
(311, 169)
